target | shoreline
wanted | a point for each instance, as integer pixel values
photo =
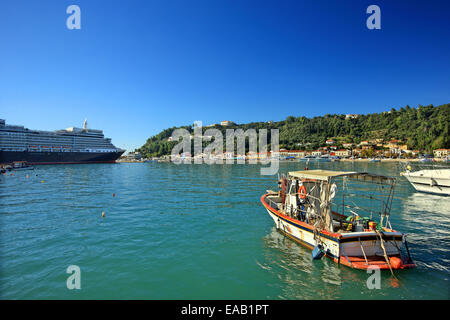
(389, 160)
(300, 160)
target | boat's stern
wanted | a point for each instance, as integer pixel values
(383, 250)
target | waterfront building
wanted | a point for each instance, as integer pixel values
(343, 153)
(132, 156)
(441, 153)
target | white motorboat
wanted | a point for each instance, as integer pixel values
(21, 165)
(430, 179)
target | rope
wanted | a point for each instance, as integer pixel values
(367, 262)
(385, 254)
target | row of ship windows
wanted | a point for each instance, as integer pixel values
(59, 143)
(3, 147)
(58, 150)
(51, 135)
(22, 136)
(48, 143)
(54, 140)
(54, 147)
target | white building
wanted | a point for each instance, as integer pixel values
(343, 153)
(441, 153)
(226, 123)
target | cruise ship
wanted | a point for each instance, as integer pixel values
(71, 145)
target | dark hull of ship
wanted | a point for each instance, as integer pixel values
(59, 157)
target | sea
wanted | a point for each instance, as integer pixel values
(192, 231)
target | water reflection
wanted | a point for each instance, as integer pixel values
(438, 206)
(299, 276)
(427, 217)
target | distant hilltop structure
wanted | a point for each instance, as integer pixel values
(351, 116)
(226, 123)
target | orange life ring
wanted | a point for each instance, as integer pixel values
(302, 192)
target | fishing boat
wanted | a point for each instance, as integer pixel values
(431, 178)
(333, 213)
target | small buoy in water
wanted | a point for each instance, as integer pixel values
(28, 176)
(103, 214)
(42, 181)
(114, 195)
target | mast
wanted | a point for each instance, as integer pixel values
(326, 205)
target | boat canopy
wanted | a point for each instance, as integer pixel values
(327, 175)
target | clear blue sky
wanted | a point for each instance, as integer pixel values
(137, 67)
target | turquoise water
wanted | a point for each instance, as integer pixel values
(191, 232)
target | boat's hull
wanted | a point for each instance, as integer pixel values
(430, 181)
(441, 190)
(21, 169)
(50, 157)
(350, 249)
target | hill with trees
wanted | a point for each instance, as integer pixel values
(424, 128)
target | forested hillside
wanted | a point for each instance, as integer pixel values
(424, 128)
